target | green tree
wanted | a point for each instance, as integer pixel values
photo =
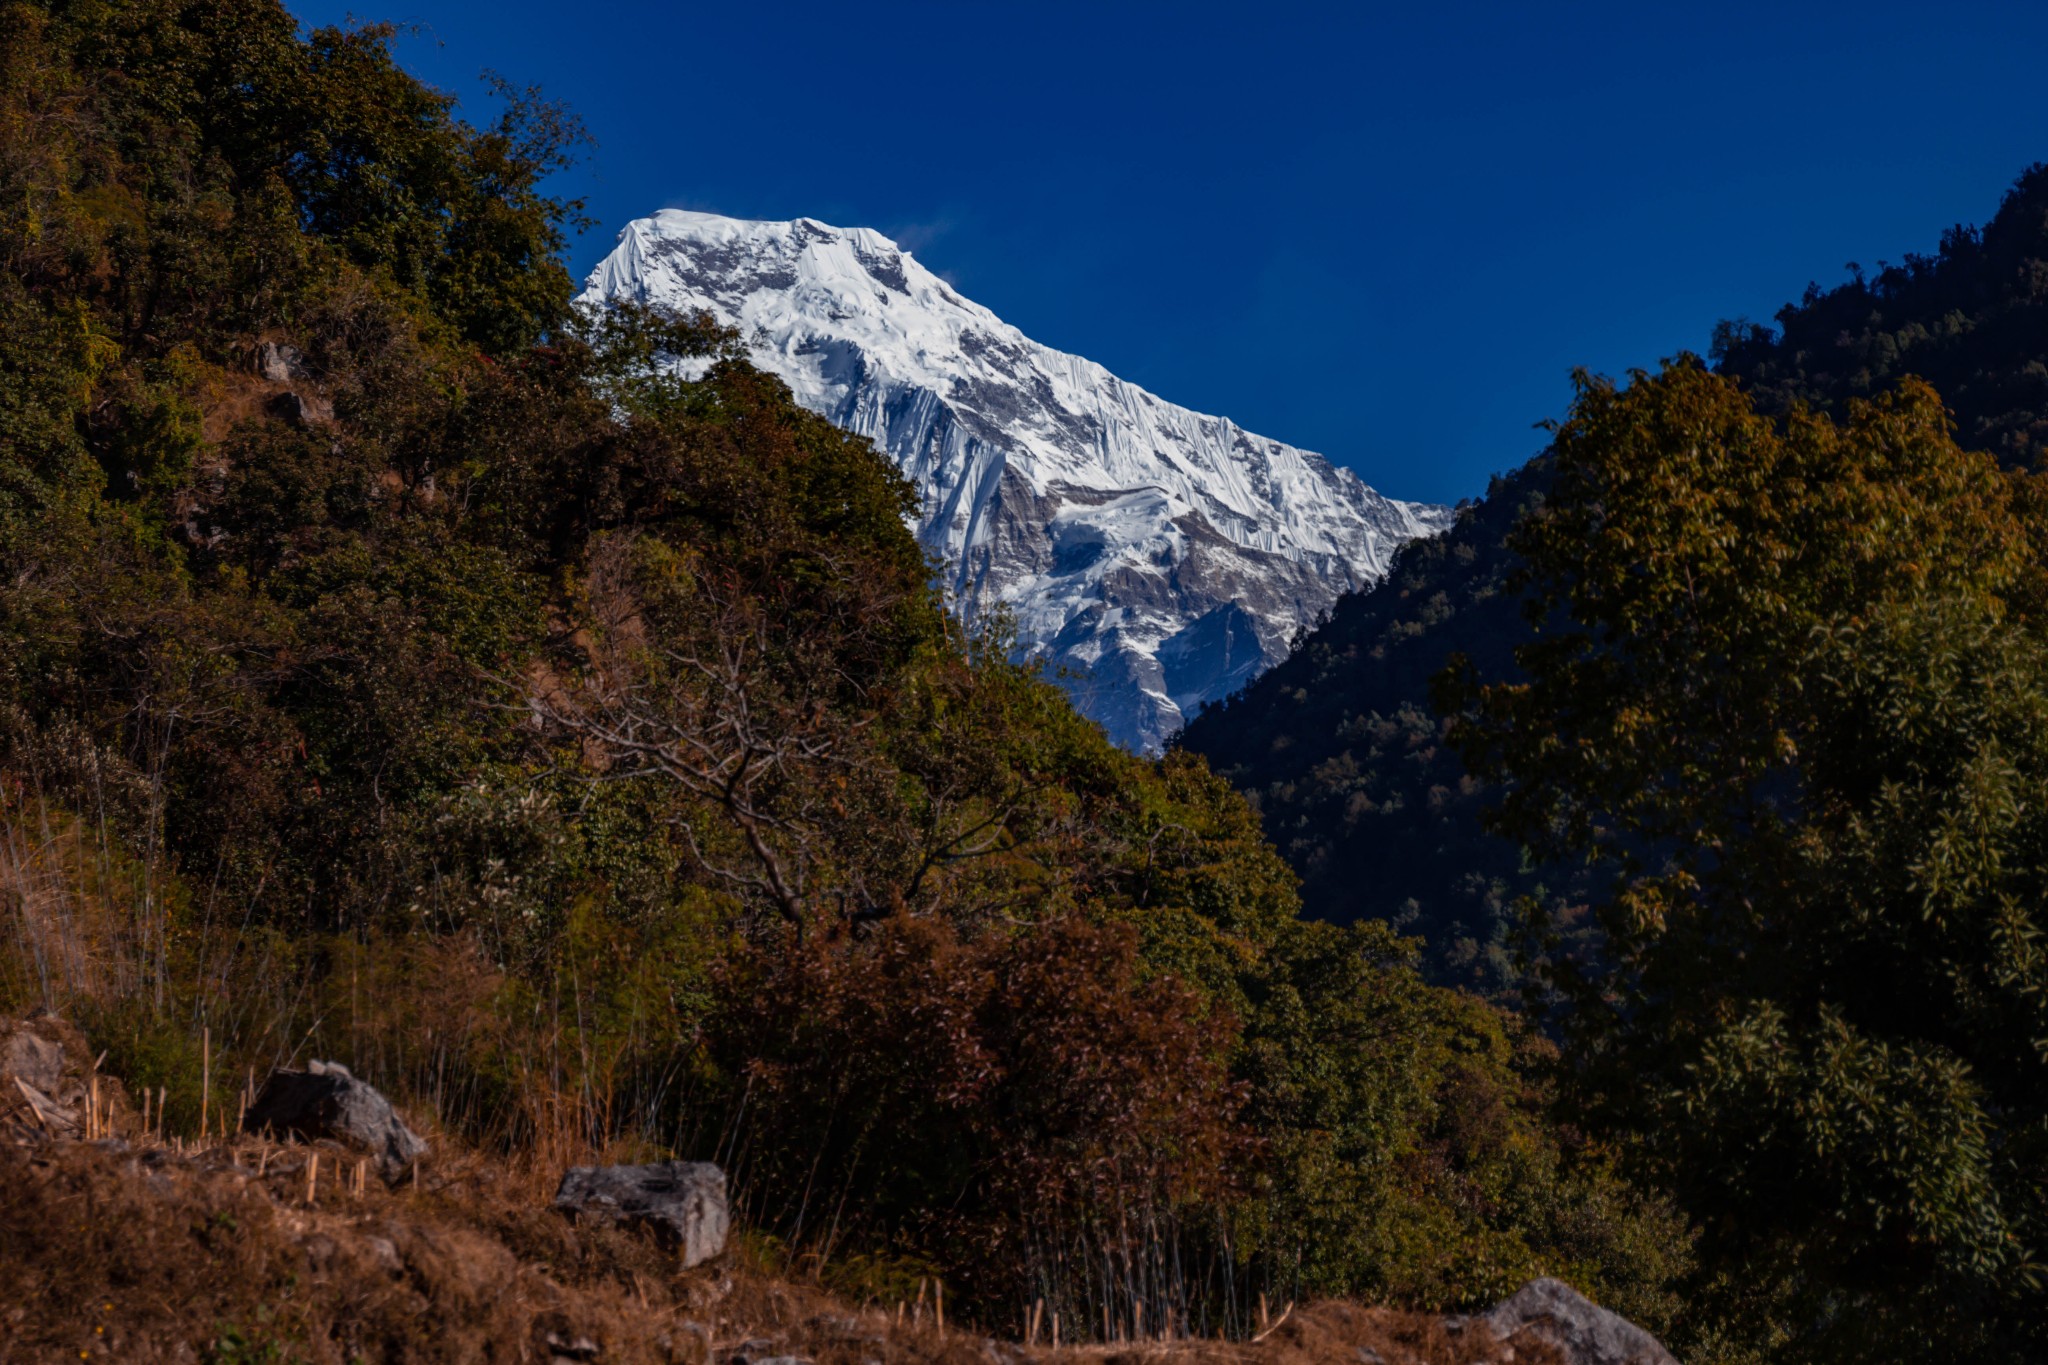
(1785, 697)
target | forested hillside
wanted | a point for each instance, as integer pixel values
(396, 669)
(1341, 746)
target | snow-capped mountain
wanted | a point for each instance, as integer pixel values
(1162, 556)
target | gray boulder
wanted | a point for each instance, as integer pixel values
(325, 1101)
(1586, 1333)
(683, 1201)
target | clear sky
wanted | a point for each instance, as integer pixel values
(1386, 232)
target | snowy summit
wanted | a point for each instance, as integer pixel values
(1163, 557)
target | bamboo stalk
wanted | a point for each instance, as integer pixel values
(205, 1075)
(312, 1176)
(1055, 1331)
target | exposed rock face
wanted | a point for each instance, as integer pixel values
(683, 1201)
(1586, 1333)
(1112, 525)
(300, 402)
(325, 1101)
(281, 364)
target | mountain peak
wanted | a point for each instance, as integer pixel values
(1107, 521)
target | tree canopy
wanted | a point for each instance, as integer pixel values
(1783, 695)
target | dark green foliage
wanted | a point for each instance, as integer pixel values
(1404, 1125)
(1838, 1073)
(1786, 701)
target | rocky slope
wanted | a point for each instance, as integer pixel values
(1161, 556)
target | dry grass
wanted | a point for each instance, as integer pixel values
(150, 1248)
(139, 1251)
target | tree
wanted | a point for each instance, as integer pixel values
(1786, 696)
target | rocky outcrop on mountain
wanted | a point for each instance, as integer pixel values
(1160, 556)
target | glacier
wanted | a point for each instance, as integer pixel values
(1156, 557)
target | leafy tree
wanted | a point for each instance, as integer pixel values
(1783, 695)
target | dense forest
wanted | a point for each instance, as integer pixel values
(1342, 746)
(399, 668)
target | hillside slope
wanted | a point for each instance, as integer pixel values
(1339, 745)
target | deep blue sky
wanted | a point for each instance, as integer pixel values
(1386, 232)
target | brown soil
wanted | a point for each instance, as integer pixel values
(130, 1249)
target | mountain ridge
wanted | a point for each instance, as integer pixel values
(1108, 522)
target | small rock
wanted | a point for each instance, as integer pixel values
(325, 1101)
(1586, 1334)
(578, 1348)
(755, 1351)
(48, 1081)
(36, 1060)
(683, 1201)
